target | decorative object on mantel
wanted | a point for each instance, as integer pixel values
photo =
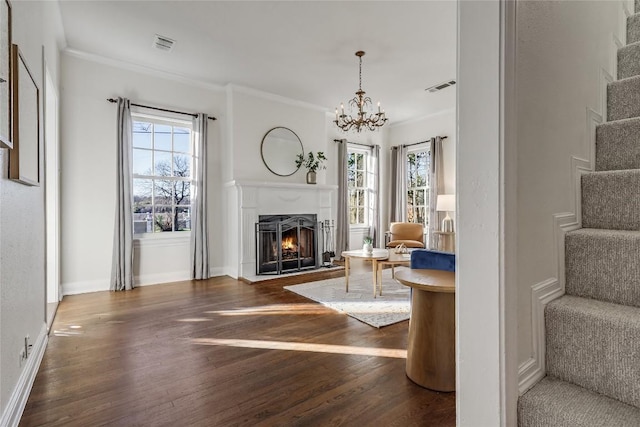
(446, 203)
(367, 244)
(364, 119)
(279, 146)
(312, 163)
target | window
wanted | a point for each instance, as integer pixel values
(162, 164)
(358, 185)
(418, 186)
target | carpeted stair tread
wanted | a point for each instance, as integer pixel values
(603, 264)
(623, 99)
(595, 345)
(611, 199)
(556, 403)
(618, 145)
(633, 28)
(629, 60)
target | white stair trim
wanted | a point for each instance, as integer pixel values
(533, 369)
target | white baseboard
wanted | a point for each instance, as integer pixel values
(158, 278)
(83, 287)
(18, 399)
(217, 271)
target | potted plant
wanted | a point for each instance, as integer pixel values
(367, 245)
(312, 163)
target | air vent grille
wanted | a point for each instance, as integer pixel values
(440, 86)
(163, 43)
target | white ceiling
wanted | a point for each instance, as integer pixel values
(302, 50)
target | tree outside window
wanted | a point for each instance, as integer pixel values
(162, 163)
(418, 187)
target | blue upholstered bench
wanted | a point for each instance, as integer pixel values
(433, 260)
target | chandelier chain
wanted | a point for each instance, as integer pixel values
(360, 75)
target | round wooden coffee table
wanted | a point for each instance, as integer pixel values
(375, 256)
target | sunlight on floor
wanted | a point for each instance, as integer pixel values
(273, 309)
(71, 330)
(299, 346)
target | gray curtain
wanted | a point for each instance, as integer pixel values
(436, 186)
(398, 184)
(199, 226)
(342, 220)
(375, 196)
(122, 261)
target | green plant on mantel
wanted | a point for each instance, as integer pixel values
(311, 162)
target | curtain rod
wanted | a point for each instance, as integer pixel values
(418, 143)
(160, 109)
(355, 143)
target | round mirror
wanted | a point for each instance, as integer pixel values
(280, 148)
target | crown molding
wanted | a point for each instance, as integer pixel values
(143, 69)
(232, 87)
(420, 118)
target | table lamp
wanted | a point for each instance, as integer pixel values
(446, 203)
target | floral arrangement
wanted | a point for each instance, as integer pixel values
(311, 162)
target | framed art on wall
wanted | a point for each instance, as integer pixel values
(24, 159)
(5, 74)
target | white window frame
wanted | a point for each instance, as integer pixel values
(422, 148)
(175, 122)
(367, 190)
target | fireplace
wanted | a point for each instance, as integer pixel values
(286, 243)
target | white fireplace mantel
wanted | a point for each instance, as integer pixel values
(247, 200)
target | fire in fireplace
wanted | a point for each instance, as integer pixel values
(286, 243)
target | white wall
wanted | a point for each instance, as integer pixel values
(481, 348)
(253, 114)
(561, 51)
(88, 160)
(22, 216)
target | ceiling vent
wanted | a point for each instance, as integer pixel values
(441, 86)
(163, 43)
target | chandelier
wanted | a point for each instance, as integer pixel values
(364, 118)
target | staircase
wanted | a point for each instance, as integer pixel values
(593, 332)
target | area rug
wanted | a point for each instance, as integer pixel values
(392, 307)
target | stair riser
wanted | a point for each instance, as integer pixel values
(611, 200)
(618, 145)
(594, 349)
(558, 403)
(633, 28)
(603, 267)
(629, 61)
(623, 99)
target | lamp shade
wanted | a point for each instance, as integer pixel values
(446, 202)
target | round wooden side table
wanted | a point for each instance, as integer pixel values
(431, 349)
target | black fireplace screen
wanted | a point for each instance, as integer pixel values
(286, 243)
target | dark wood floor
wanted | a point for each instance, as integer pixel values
(223, 352)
